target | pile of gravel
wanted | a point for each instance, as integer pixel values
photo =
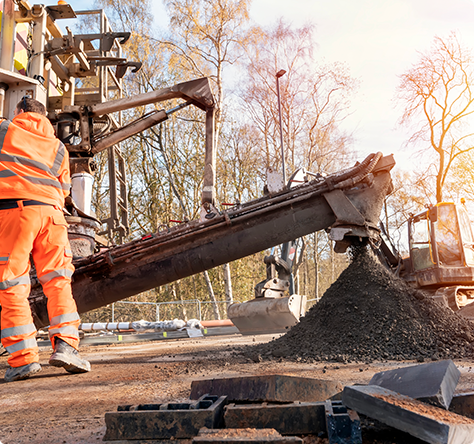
(369, 314)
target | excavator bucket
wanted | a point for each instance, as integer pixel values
(267, 315)
(271, 311)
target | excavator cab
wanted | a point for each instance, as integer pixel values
(441, 237)
(441, 258)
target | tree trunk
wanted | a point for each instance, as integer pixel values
(174, 295)
(305, 277)
(212, 297)
(298, 261)
(316, 267)
(331, 250)
(228, 285)
(179, 294)
(296, 282)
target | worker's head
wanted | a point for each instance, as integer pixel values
(28, 105)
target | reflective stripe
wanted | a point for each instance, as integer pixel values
(7, 173)
(4, 258)
(49, 182)
(64, 272)
(22, 345)
(3, 132)
(22, 280)
(19, 330)
(69, 252)
(38, 180)
(19, 160)
(58, 160)
(68, 330)
(68, 317)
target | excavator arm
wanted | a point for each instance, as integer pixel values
(76, 125)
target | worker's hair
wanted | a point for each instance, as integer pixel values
(29, 105)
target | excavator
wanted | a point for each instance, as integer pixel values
(439, 261)
(87, 119)
(440, 257)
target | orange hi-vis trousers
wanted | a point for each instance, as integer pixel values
(41, 231)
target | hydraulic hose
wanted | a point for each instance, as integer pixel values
(351, 172)
(367, 166)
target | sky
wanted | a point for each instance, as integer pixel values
(378, 40)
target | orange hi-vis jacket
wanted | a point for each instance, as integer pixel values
(29, 168)
(34, 167)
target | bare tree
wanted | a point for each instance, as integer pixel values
(439, 103)
(315, 99)
(206, 34)
(279, 47)
(206, 37)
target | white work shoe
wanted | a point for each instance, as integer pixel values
(23, 372)
(68, 357)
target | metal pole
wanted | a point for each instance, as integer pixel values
(36, 69)
(7, 36)
(208, 190)
(278, 75)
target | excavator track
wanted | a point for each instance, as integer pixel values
(459, 298)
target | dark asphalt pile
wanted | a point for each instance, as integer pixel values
(369, 314)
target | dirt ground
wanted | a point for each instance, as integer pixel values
(56, 407)
(375, 318)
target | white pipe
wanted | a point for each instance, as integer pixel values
(141, 326)
(81, 191)
(108, 326)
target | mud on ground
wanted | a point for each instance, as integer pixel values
(56, 407)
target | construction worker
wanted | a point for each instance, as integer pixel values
(34, 181)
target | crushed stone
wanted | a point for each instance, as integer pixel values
(369, 315)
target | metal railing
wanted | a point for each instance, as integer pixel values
(178, 309)
(201, 308)
(159, 304)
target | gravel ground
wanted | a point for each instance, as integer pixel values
(367, 322)
(368, 315)
(56, 407)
